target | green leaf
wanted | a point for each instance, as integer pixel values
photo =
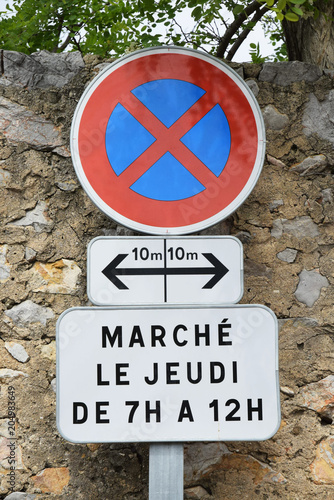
(196, 13)
(251, 25)
(111, 27)
(290, 16)
(281, 4)
(297, 11)
(237, 10)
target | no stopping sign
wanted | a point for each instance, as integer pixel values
(168, 141)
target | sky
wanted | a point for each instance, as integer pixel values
(242, 54)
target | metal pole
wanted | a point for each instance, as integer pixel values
(166, 471)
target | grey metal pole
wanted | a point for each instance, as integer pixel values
(166, 471)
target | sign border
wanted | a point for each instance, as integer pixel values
(186, 229)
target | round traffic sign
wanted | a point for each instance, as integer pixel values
(168, 140)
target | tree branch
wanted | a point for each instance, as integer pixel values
(59, 30)
(71, 38)
(235, 26)
(242, 37)
(65, 43)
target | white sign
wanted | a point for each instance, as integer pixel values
(167, 374)
(153, 270)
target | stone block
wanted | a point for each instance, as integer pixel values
(17, 351)
(52, 480)
(317, 117)
(288, 255)
(319, 396)
(18, 495)
(273, 119)
(309, 287)
(285, 73)
(19, 124)
(311, 165)
(42, 69)
(7, 374)
(300, 227)
(28, 312)
(57, 277)
(37, 218)
(4, 264)
(322, 468)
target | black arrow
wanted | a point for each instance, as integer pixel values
(112, 271)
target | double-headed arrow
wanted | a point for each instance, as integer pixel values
(112, 271)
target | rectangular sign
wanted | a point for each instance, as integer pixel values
(172, 270)
(167, 374)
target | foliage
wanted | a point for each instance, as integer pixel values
(97, 26)
(108, 27)
(255, 53)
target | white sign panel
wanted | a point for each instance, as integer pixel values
(167, 374)
(153, 270)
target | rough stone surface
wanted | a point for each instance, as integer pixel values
(40, 70)
(287, 391)
(285, 73)
(37, 218)
(49, 351)
(322, 468)
(196, 493)
(54, 385)
(301, 227)
(4, 177)
(288, 255)
(275, 161)
(30, 254)
(327, 195)
(275, 204)
(273, 119)
(309, 287)
(311, 165)
(58, 277)
(204, 460)
(286, 226)
(9, 374)
(319, 396)
(4, 448)
(20, 496)
(52, 480)
(317, 117)
(200, 459)
(4, 265)
(28, 312)
(253, 86)
(18, 124)
(17, 351)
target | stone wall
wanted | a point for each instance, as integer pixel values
(286, 227)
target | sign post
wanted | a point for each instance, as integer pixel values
(166, 472)
(167, 141)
